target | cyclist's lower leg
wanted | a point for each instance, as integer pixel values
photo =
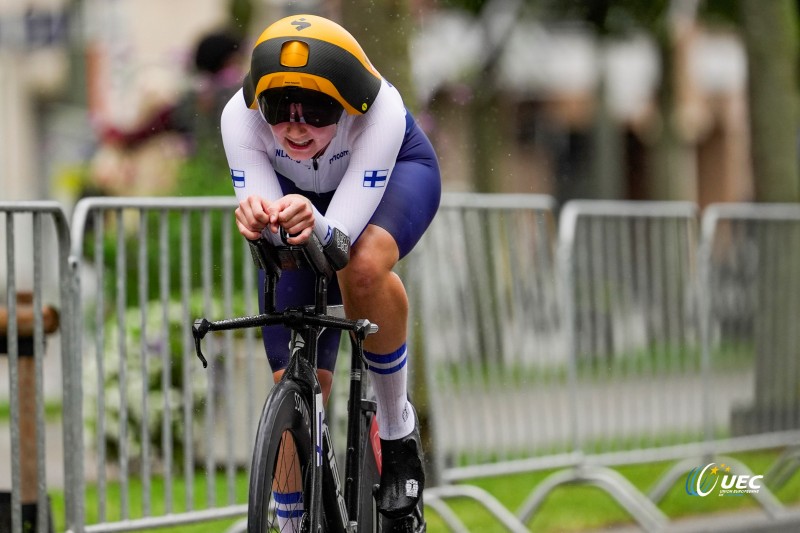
(372, 290)
(287, 485)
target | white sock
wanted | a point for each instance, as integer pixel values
(289, 509)
(389, 374)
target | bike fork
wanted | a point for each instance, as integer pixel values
(355, 425)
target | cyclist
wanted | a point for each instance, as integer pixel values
(317, 140)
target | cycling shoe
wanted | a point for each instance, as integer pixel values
(402, 475)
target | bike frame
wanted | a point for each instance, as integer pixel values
(307, 324)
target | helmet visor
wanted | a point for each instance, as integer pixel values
(293, 104)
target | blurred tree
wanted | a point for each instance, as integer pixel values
(76, 92)
(770, 35)
(771, 38)
(485, 130)
(383, 28)
(496, 19)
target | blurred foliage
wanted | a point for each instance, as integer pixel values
(144, 371)
(240, 13)
(383, 29)
(179, 246)
(204, 174)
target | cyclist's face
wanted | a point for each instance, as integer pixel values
(303, 141)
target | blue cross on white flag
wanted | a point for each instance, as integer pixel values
(238, 178)
(375, 178)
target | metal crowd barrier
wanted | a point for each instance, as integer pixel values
(484, 295)
(36, 251)
(612, 333)
(752, 272)
(750, 264)
(148, 267)
(634, 350)
(631, 339)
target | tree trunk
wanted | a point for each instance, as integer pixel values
(485, 135)
(770, 32)
(383, 28)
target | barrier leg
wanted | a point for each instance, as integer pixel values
(26, 400)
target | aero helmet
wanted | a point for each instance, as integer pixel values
(310, 60)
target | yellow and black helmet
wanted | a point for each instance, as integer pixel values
(307, 53)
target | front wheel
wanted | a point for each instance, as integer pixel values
(282, 459)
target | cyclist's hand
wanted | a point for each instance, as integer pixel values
(294, 214)
(252, 217)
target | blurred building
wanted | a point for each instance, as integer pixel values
(33, 67)
(66, 66)
(579, 117)
(570, 114)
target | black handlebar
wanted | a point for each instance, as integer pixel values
(273, 260)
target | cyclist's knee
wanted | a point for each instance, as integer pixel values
(371, 260)
(363, 273)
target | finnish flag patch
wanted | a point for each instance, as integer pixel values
(238, 178)
(375, 178)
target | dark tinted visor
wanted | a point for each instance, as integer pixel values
(315, 108)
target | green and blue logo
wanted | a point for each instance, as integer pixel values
(702, 481)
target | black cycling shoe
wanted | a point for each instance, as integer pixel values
(402, 475)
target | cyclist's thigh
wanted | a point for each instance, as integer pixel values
(413, 193)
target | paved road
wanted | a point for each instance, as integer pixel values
(743, 522)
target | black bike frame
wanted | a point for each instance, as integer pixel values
(307, 324)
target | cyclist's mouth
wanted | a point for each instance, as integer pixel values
(299, 145)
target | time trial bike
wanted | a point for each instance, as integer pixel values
(293, 442)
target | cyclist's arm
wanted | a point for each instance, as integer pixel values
(375, 141)
(251, 171)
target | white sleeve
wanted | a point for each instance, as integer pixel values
(247, 142)
(375, 142)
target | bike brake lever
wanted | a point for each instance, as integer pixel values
(199, 330)
(364, 328)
